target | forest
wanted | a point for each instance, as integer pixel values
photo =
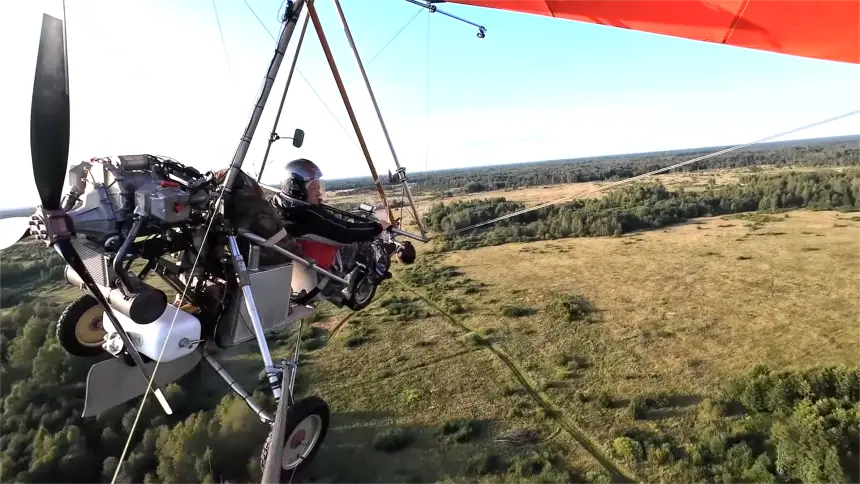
(643, 206)
(42, 388)
(840, 151)
(766, 426)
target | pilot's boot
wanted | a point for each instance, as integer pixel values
(352, 281)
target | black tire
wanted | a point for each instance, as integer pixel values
(406, 254)
(310, 407)
(83, 310)
(357, 305)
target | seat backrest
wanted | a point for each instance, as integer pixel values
(322, 253)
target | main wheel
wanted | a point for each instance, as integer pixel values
(79, 328)
(307, 424)
(406, 253)
(362, 295)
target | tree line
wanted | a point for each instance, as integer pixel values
(828, 152)
(641, 206)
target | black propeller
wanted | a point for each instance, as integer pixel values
(49, 148)
(49, 114)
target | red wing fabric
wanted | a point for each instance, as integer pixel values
(821, 29)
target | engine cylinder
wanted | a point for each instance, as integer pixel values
(143, 307)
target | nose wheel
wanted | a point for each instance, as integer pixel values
(306, 428)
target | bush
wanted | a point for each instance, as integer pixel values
(484, 464)
(516, 311)
(472, 339)
(453, 306)
(313, 344)
(403, 308)
(636, 408)
(571, 308)
(711, 411)
(358, 337)
(627, 448)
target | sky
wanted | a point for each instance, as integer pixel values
(151, 76)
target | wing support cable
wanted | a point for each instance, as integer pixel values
(289, 24)
(401, 171)
(650, 173)
(274, 135)
(347, 104)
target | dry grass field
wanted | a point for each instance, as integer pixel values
(466, 368)
(680, 310)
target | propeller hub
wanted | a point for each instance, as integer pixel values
(51, 226)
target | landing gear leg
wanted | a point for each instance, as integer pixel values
(298, 428)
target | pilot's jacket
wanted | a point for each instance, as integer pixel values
(302, 219)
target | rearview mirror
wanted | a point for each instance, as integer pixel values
(298, 138)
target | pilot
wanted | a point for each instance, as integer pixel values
(300, 205)
(303, 182)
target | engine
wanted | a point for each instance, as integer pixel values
(113, 201)
(106, 194)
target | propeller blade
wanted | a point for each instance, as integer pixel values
(49, 114)
(49, 148)
(13, 230)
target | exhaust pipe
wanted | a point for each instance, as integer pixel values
(143, 308)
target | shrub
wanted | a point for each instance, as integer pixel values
(571, 308)
(628, 448)
(472, 339)
(484, 464)
(516, 311)
(636, 408)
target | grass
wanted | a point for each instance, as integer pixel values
(623, 336)
(415, 401)
(671, 321)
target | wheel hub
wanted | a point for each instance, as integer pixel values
(301, 442)
(89, 330)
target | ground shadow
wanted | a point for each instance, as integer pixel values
(369, 447)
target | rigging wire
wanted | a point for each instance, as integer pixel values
(389, 42)
(346, 131)
(339, 123)
(654, 172)
(257, 16)
(274, 135)
(427, 100)
(223, 43)
(308, 82)
(212, 217)
(146, 393)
